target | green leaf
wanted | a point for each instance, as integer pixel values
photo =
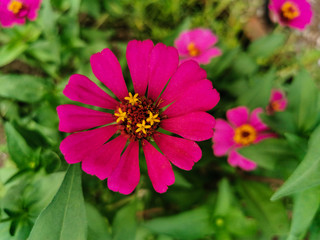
(259, 94)
(305, 207)
(243, 64)
(10, 52)
(266, 153)
(224, 198)
(23, 88)
(125, 223)
(267, 46)
(271, 216)
(19, 150)
(281, 122)
(193, 224)
(97, 225)
(303, 101)
(307, 174)
(65, 217)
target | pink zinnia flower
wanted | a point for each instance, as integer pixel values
(278, 102)
(292, 13)
(242, 130)
(159, 82)
(197, 44)
(17, 11)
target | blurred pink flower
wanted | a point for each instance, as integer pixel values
(243, 129)
(17, 11)
(137, 117)
(197, 44)
(292, 13)
(278, 102)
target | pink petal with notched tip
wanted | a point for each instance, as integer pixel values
(256, 122)
(196, 126)
(222, 138)
(105, 159)
(159, 168)
(206, 56)
(198, 97)
(138, 57)
(187, 74)
(78, 146)
(235, 159)
(126, 175)
(75, 118)
(82, 89)
(181, 152)
(107, 69)
(238, 116)
(163, 63)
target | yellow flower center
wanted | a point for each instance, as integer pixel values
(121, 116)
(138, 117)
(290, 10)
(152, 118)
(275, 105)
(132, 99)
(245, 134)
(15, 6)
(193, 50)
(219, 222)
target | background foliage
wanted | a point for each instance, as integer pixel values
(43, 198)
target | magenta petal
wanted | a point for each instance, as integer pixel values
(235, 159)
(196, 126)
(263, 136)
(107, 69)
(159, 168)
(238, 116)
(77, 146)
(126, 175)
(163, 63)
(138, 56)
(75, 118)
(187, 74)
(222, 138)
(206, 56)
(105, 159)
(256, 122)
(198, 97)
(181, 152)
(82, 89)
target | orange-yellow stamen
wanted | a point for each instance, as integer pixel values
(121, 115)
(290, 10)
(193, 50)
(275, 105)
(245, 134)
(152, 118)
(15, 6)
(132, 99)
(142, 127)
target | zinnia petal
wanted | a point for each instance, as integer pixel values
(256, 122)
(163, 63)
(75, 118)
(235, 159)
(181, 152)
(105, 159)
(197, 126)
(82, 89)
(138, 57)
(238, 116)
(198, 97)
(107, 69)
(222, 138)
(187, 74)
(77, 146)
(126, 175)
(159, 168)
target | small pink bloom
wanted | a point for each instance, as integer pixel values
(242, 129)
(108, 144)
(17, 11)
(278, 102)
(197, 45)
(292, 13)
